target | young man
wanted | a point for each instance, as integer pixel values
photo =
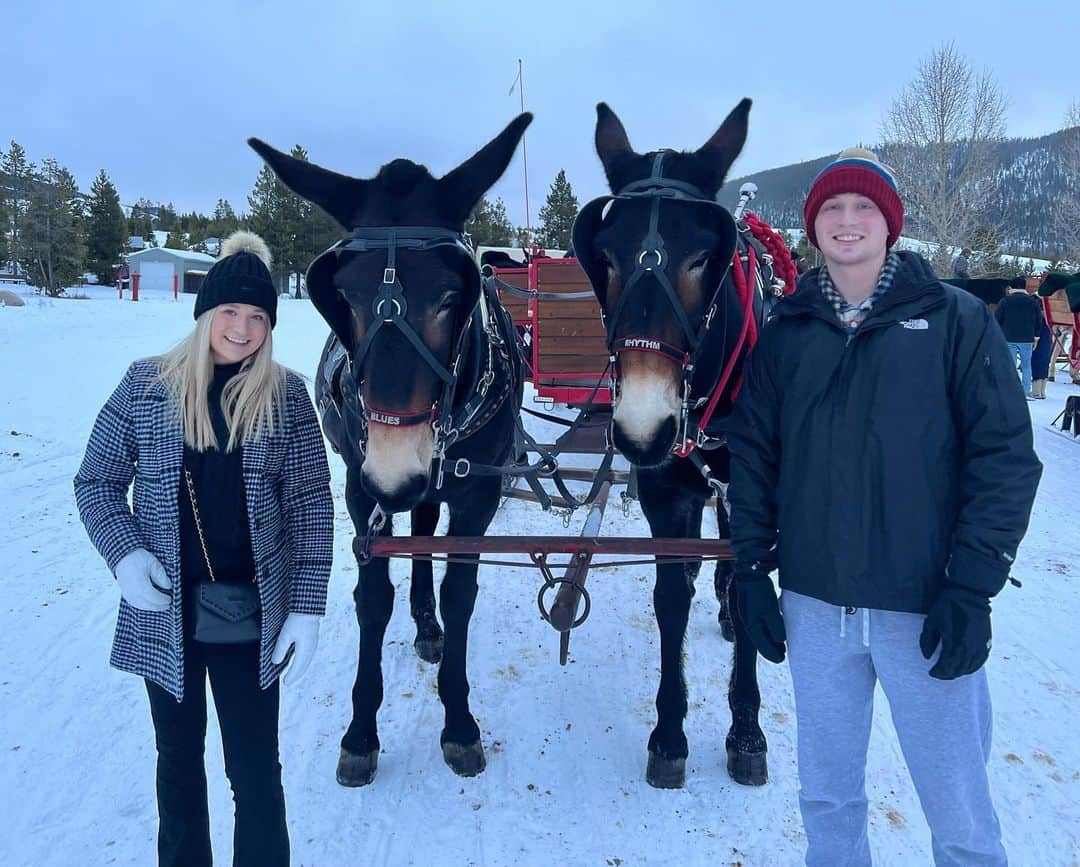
(1020, 316)
(882, 460)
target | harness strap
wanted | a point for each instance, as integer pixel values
(528, 294)
(393, 419)
(744, 291)
(651, 344)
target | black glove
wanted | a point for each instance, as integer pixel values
(960, 620)
(759, 611)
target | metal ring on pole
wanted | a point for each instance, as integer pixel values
(551, 584)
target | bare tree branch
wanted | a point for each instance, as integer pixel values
(1067, 210)
(941, 134)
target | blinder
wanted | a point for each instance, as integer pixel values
(390, 306)
(652, 260)
(652, 257)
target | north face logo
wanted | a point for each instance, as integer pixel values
(915, 324)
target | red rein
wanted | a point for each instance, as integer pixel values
(784, 268)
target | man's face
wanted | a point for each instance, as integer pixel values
(851, 230)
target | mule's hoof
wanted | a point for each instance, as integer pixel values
(663, 773)
(465, 760)
(429, 650)
(746, 768)
(727, 628)
(357, 770)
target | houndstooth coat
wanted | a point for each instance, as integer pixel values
(137, 437)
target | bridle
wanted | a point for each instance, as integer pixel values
(650, 260)
(389, 308)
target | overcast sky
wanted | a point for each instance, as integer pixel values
(163, 96)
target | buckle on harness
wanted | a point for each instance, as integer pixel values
(379, 307)
(461, 468)
(389, 275)
(654, 252)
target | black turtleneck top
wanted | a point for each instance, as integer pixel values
(218, 477)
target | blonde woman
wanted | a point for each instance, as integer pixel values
(228, 539)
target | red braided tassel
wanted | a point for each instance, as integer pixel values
(770, 239)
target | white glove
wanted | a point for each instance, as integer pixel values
(301, 633)
(143, 582)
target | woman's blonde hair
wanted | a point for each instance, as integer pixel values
(253, 401)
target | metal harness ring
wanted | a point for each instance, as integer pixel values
(550, 583)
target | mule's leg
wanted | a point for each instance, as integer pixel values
(746, 746)
(429, 635)
(673, 515)
(723, 575)
(374, 597)
(460, 739)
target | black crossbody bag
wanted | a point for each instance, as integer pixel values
(225, 613)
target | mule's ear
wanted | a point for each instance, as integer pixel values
(462, 188)
(339, 195)
(611, 139)
(727, 142)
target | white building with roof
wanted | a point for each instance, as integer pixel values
(159, 269)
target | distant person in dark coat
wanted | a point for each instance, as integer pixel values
(1021, 319)
(1040, 358)
(960, 268)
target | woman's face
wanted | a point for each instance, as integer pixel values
(237, 331)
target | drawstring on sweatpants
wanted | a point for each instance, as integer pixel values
(844, 612)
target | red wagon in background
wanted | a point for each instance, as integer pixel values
(558, 319)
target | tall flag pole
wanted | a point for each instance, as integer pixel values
(519, 83)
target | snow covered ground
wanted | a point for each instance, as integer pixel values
(566, 746)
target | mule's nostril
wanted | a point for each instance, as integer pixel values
(650, 451)
(401, 498)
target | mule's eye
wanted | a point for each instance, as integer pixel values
(700, 261)
(449, 301)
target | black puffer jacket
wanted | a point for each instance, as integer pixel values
(1020, 316)
(867, 466)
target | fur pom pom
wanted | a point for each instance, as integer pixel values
(247, 242)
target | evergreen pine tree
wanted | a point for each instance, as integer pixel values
(5, 228)
(557, 215)
(223, 222)
(195, 227)
(19, 173)
(141, 221)
(489, 225)
(168, 220)
(265, 219)
(175, 240)
(294, 230)
(53, 250)
(106, 229)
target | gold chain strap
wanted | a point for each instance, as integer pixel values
(198, 522)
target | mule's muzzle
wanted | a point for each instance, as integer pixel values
(402, 498)
(649, 453)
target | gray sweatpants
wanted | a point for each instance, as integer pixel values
(944, 727)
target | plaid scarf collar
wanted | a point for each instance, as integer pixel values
(851, 316)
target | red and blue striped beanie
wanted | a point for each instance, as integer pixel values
(856, 170)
